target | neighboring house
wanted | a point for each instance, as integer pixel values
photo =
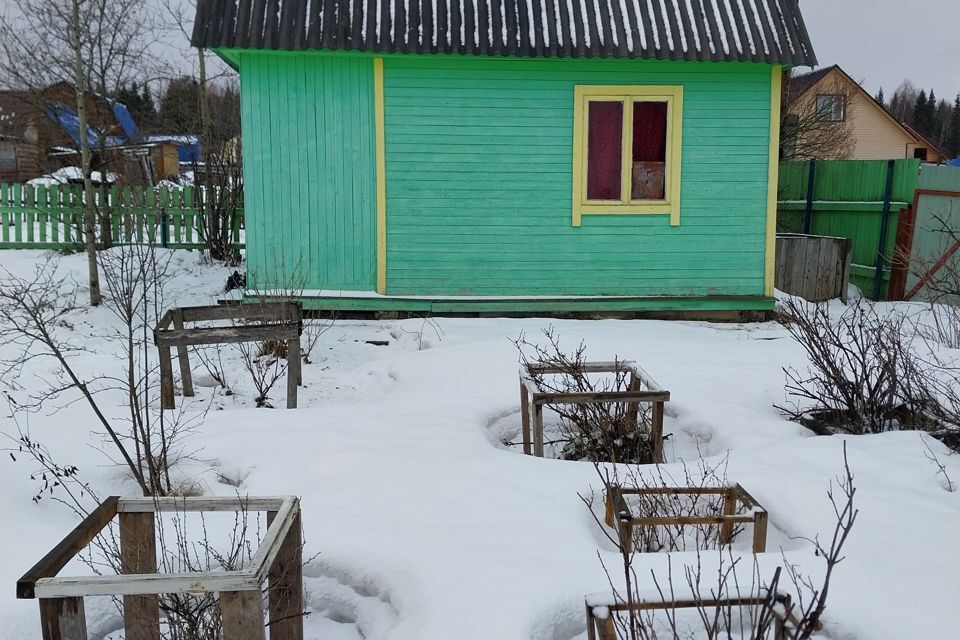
(867, 130)
(931, 153)
(539, 156)
(40, 133)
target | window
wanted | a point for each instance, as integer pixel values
(920, 153)
(627, 150)
(830, 108)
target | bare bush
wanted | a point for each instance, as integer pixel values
(699, 501)
(865, 375)
(610, 431)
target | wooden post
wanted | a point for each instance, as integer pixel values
(591, 624)
(242, 613)
(138, 554)
(525, 418)
(293, 371)
(656, 432)
(63, 619)
(286, 584)
(625, 533)
(729, 509)
(608, 630)
(537, 429)
(166, 378)
(182, 355)
(760, 532)
(633, 408)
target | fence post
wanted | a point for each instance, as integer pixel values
(63, 619)
(808, 212)
(884, 223)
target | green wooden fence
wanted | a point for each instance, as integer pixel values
(847, 200)
(39, 217)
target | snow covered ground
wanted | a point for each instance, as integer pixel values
(426, 526)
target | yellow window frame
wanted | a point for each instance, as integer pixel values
(583, 95)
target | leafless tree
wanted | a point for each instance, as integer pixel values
(36, 317)
(92, 45)
(808, 131)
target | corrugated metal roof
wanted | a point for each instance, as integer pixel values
(719, 30)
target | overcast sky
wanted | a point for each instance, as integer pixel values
(878, 42)
(882, 42)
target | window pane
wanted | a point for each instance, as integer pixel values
(649, 151)
(830, 108)
(604, 150)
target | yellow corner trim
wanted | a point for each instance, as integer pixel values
(381, 176)
(673, 96)
(773, 171)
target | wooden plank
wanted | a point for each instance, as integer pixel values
(707, 491)
(597, 397)
(656, 432)
(200, 503)
(760, 532)
(134, 585)
(138, 555)
(586, 367)
(272, 540)
(60, 555)
(286, 584)
(537, 419)
(214, 335)
(729, 509)
(242, 613)
(63, 619)
(183, 356)
(293, 371)
(167, 400)
(272, 311)
(525, 418)
(661, 521)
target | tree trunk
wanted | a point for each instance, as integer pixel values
(89, 215)
(210, 207)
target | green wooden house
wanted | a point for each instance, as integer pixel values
(510, 156)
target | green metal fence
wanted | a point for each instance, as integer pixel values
(40, 217)
(855, 199)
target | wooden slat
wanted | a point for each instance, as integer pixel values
(226, 335)
(132, 585)
(596, 397)
(60, 555)
(200, 503)
(274, 537)
(662, 521)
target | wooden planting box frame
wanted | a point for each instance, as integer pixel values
(619, 516)
(776, 603)
(277, 321)
(533, 399)
(279, 560)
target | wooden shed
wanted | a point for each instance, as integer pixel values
(539, 156)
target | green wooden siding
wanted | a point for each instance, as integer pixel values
(848, 203)
(479, 170)
(309, 170)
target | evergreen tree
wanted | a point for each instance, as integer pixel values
(952, 142)
(180, 106)
(879, 98)
(924, 114)
(933, 130)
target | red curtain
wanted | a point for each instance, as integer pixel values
(649, 131)
(604, 150)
